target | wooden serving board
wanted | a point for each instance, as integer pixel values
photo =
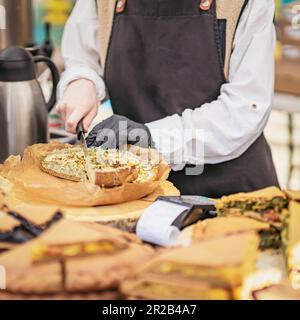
(123, 216)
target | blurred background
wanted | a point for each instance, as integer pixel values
(38, 25)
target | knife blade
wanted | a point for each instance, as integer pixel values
(81, 137)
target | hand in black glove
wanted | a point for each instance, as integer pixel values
(117, 131)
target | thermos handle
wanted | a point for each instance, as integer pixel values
(55, 79)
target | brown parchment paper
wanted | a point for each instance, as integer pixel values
(29, 184)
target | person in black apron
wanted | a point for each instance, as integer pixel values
(164, 56)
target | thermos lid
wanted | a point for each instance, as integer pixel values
(16, 64)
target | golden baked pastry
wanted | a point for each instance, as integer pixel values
(106, 168)
(267, 205)
(270, 236)
(211, 269)
(73, 257)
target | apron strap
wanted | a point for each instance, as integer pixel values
(230, 11)
(106, 11)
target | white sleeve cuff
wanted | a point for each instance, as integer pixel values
(178, 144)
(81, 72)
(168, 139)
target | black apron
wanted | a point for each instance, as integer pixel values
(165, 56)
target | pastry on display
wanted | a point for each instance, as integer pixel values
(106, 168)
(17, 228)
(73, 258)
(291, 242)
(267, 205)
(120, 176)
(270, 237)
(14, 228)
(211, 269)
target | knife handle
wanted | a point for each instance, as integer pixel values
(80, 130)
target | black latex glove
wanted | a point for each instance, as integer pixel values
(117, 131)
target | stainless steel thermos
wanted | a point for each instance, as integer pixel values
(23, 110)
